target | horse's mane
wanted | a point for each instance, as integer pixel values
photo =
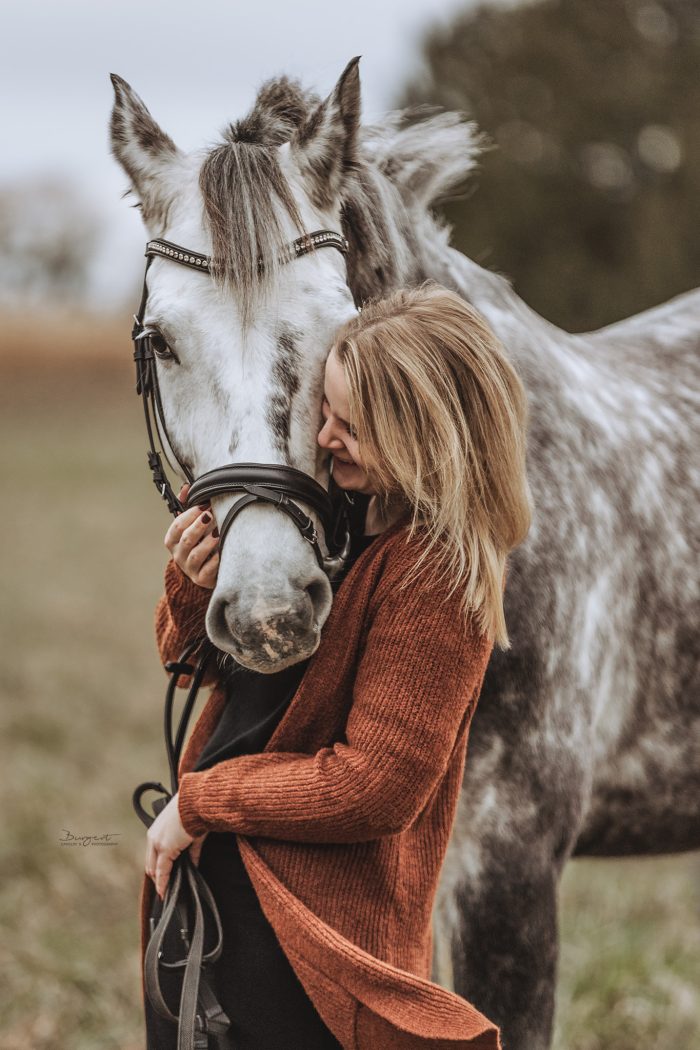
(404, 163)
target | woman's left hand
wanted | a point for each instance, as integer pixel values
(165, 840)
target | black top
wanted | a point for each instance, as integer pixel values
(255, 702)
(256, 985)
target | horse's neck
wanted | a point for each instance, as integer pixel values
(493, 297)
(533, 344)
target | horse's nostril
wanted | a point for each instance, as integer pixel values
(276, 625)
(218, 618)
(317, 592)
(273, 627)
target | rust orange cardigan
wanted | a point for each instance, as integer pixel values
(344, 818)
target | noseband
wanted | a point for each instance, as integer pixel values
(276, 484)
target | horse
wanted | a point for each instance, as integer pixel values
(585, 741)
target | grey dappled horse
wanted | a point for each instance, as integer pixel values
(585, 740)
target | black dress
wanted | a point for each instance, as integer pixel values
(253, 979)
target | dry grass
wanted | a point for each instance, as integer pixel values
(82, 711)
(81, 725)
(63, 339)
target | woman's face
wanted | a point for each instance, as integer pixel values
(337, 435)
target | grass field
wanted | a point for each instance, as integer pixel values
(81, 726)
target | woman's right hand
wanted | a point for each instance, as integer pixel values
(192, 540)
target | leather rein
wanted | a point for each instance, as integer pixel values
(200, 1014)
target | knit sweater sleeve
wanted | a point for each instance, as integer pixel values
(417, 680)
(180, 616)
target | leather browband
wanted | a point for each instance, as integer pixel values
(301, 246)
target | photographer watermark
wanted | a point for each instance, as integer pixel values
(108, 838)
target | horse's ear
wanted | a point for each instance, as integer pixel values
(142, 148)
(325, 145)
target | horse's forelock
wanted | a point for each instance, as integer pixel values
(243, 186)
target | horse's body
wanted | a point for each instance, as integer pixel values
(585, 740)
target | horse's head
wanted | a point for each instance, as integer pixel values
(251, 343)
(246, 380)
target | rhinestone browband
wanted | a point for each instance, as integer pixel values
(308, 243)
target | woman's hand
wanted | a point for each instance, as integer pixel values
(165, 840)
(192, 539)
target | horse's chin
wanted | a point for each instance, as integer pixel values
(267, 663)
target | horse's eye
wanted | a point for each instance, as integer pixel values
(160, 347)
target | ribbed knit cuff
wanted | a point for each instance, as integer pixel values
(187, 804)
(182, 592)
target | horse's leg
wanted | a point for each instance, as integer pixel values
(505, 949)
(496, 931)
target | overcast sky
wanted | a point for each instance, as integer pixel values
(196, 65)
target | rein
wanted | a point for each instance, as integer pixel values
(200, 1014)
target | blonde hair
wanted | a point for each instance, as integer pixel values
(441, 418)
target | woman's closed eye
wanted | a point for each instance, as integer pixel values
(348, 427)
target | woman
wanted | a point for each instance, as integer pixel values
(345, 770)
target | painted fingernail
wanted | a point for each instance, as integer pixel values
(202, 506)
(215, 532)
(206, 518)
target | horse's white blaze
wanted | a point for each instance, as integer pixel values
(215, 402)
(266, 560)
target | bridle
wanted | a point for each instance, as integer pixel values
(273, 483)
(200, 1014)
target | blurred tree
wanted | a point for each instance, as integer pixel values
(47, 240)
(590, 199)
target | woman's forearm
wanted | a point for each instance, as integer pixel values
(415, 685)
